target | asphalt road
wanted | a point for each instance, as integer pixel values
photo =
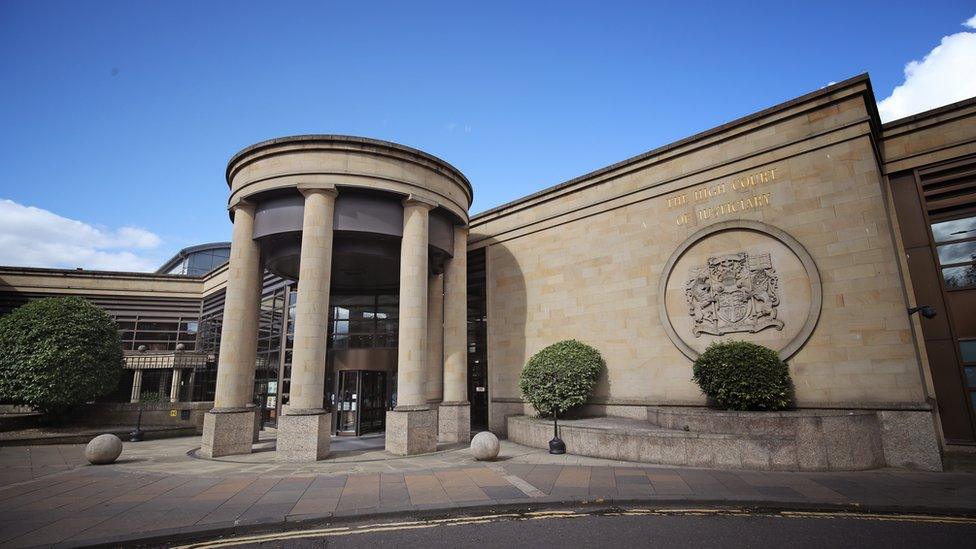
(569, 529)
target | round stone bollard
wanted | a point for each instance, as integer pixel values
(103, 449)
(484, 446)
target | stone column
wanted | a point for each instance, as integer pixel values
(229, 427)
(454, 415)
(303, 433)
(435, 340)
(136, 385)
(174, 386)
(411, 427)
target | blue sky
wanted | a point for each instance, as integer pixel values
(119, 117)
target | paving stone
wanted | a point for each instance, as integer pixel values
(175, 491)
(504, 492)
(425, 489)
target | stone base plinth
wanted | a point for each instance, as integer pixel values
(454, 422)
(790, 440)
(227, 433)
(411, 432)
(909, 440)
(304, 438)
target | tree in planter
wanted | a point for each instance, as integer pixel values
(57, 353)
(558, 378)
(744, 376)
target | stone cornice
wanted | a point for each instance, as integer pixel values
(363, 144)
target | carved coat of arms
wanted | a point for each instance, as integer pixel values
(733, 293)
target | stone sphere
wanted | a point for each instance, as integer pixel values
(484, 446)
(103, 449)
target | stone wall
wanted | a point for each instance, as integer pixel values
(584, 260)
(801, 440)
(159, 415)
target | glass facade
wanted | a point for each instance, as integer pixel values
(363, 321)
(268, 361)
(478, 340)
(360, 321)
(157, 333)
(201, 262)
(956, 248)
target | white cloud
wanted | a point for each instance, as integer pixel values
(33, 237)
(945, 75)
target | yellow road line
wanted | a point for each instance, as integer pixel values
(542, 515)
(345, 530)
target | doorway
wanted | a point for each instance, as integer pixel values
(360, 402)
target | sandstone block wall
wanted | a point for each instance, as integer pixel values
(585, 263)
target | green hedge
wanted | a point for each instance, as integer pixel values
(560, 376)
(744, 376)
(56, 353)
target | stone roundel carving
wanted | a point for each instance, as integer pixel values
(743, 279)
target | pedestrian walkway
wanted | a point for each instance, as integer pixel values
(160, 488)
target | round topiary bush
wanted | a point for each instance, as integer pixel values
(560, 376)
(744, 376)
(56, 353)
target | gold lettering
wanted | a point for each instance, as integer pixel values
(703, 193)
(677, 200)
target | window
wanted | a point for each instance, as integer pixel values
(363, 322)
(956, 247)
(967, 351)
(158, 334)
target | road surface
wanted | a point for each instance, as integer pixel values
(634, 528)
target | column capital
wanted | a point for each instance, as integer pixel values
(414, 200)
(312, 188)
(242, 204)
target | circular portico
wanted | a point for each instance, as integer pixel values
(346, 214)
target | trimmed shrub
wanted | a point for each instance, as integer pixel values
(56, 353)
(560, 376)
(744, 376)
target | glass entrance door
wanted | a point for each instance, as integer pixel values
(347, 406)
(360, 402)
(372, 417)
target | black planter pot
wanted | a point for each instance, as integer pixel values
(557, 446)
(137, 434)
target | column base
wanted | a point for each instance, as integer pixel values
(454, 422)
(411, 432)
(227, 433)
(304, 437)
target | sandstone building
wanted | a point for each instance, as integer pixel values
(361, 296)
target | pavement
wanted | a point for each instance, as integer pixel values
(162, 491)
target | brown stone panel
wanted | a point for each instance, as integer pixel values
(953, 411)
